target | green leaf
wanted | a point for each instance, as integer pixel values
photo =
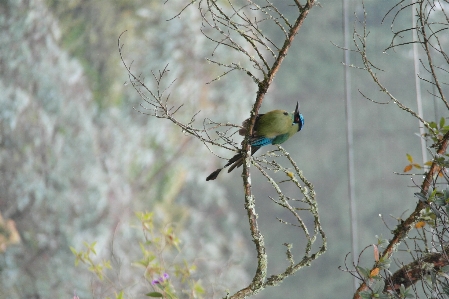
(198, 288)
(445, 289)
(365, 295)
(432, 195)
(446, 193)
(364, 272)
(392, 295)
(409, 158)
(92, 247)
(433, 278)
(442, 120)
(154, 294)
(378, 286)
(381, 242)
(444, 130)
(439, 201)
(421, 196)
(433, 125)
(73, 250)
(434, 210)
(384, 263)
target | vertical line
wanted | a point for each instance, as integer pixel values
(418, 83)
(419, 101)
(349, 140)
(435, 104)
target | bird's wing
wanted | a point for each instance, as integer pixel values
(261, 141)
(237, 160)
(280, 138)
(242, 131)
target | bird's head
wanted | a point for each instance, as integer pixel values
(298, 118)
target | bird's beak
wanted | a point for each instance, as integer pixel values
(297, 108)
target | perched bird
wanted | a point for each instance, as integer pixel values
(273, 127)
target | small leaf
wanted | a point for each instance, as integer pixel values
(446, 193)
(381, 242)
(408, 168)
(420, 224)
(439, 201)
(433, 278)
(417, 166)
(409, 158)
(442, 120)
(154, 294)
(421, 196)
(376, 253)
(365, 295)
(444, 130)
(446, 289)
(364, 272)
(119, 295)
(374, 272)
(378, 286)
(384, 263)
(435, 211)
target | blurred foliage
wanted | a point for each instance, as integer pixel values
(164, 277)
(89, 31)
(8, 233)
(76, 160)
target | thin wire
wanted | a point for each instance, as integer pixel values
(350, 141)
(435, 104)
(419, 104)
(418, 86)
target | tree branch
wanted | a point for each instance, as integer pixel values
(403, 229)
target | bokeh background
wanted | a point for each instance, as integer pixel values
(77, 161)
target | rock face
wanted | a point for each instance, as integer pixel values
(74, 166)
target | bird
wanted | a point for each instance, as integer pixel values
(274, 127)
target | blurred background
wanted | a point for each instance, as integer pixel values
(77, 161)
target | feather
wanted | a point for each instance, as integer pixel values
(274, 127)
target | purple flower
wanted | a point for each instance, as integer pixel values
(155, 281)
(161, 279)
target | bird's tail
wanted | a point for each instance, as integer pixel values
(234, 162)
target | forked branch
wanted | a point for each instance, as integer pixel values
(424, 26)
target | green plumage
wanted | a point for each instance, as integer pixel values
(274, 127)
(275, 123)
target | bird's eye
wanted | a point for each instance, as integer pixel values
(285, 113)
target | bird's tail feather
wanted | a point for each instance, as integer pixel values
(214, 174)
(234, 162)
